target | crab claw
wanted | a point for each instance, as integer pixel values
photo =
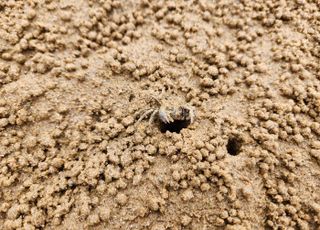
(191, 113)
(164, 116)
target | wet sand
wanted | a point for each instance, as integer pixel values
(86, 87)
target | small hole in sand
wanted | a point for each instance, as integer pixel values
(233, 146)
(131, 97)
(102, 177)
(175, 126)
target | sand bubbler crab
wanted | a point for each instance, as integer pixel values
(170, 116)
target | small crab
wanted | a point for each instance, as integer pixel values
(168, 113)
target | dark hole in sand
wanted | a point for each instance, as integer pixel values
(102, 177)
(233, 146)
(174, 127)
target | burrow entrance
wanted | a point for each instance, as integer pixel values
(174, 127)
(234, 146)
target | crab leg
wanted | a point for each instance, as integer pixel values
(147, 113)
(152, 117)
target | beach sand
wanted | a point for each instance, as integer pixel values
(80, 148)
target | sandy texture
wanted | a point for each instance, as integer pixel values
(76, 76)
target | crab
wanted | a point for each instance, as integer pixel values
(168, 113)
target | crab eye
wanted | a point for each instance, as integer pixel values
(184, 112)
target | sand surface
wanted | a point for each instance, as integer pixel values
(80, 80)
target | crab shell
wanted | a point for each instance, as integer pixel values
(181, 113)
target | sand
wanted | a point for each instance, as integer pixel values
(80, 148)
